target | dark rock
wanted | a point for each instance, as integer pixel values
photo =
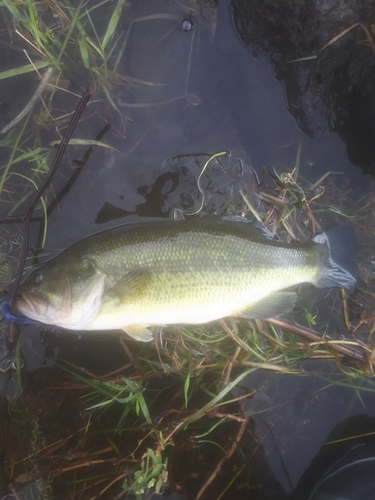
(335, 91)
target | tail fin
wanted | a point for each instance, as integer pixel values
(333, 274)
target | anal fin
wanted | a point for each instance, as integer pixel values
(139, 332)
(273, 305)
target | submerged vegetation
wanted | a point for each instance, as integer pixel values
(171, 406)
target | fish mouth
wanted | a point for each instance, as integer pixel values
(31, 304)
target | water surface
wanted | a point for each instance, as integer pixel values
(183, 95)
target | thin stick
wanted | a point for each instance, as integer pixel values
(313, 336)
(228, 367)
(25, 219)
(225, 458)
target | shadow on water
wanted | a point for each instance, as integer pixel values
(101, 416)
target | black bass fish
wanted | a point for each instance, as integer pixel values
(160, 273)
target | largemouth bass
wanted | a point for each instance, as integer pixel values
(161, 273)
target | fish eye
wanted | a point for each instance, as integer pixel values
(38, 278)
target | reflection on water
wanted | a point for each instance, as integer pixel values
(179, 96)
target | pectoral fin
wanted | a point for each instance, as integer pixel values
(139, 332)
(132, 285)
(271, 306)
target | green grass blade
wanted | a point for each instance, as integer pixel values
(122, 49)
(186, 388)
(98, 47)
(84, 52)
(113, 22)
(72, 25)
(11, 158)
(198, 436)
(220, 396)
(108, 95)
(30, 155)
(94, 46)
(33, 23)
(10, 5)
(85, 142)
(97, 6)
(143, 406)
(21, 70)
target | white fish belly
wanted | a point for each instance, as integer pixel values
(193, 303)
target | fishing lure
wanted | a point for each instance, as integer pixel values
(7, 314)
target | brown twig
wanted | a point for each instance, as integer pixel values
(225, 458)
(345, 309)
(228, 368)
(314, 337)
(361, 322)
(228, 332)
(94, 375)
(25, 219)
(133, 359)
(214, 414)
